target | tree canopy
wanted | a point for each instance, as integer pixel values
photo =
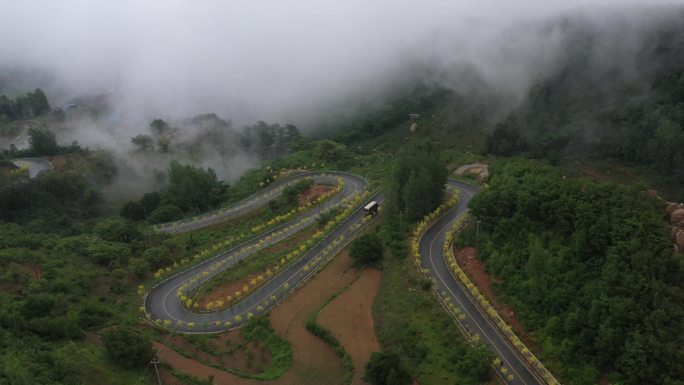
(43, 142)
(417, 182)
(386, 368)
(128, 348)
(366, 250)
(590, 270)
(23, 107)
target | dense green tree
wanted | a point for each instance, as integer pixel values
(43, 142)
(139, 266)
(117, 230)
(143, 142)
(133, 211)
(417, 183)
(128, 348)
(194, 188)
(269, 140)
(164, 213)
(331, 152)
(572, 112)
(386, 368)
(159, 126)
(366, 250)
(589, 268)
(23, 107)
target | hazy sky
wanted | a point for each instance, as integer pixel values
(271, 60)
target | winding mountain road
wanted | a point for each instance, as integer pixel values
(447, 286)
(162, 303)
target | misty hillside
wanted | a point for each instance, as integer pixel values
(606, 101)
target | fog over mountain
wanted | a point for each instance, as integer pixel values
(300, 62)
(280, 61)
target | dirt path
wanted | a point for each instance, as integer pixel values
(314, 362)
(349, 317)
(481, 170)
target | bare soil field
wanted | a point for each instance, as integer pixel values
(475, 269)
(314, 362)
(349, 318)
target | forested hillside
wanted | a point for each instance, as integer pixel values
(628, 106)
(590, 271)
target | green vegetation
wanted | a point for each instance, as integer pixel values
(318, 330)
(366, 250)
(415, 188)
(259, 329)
(417, 183)
(127, 348)
(191, 190)
(410, 321)
(574, 112)
(256, 263)
(23, 107)
(589, 270)
(587, 267)
(386, 368)
(53, 201)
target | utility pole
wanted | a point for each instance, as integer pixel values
(154, 362)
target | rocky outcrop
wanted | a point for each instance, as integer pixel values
(676, 213)
(677, 216)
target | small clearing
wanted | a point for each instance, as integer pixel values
(314, 362)
(312, 193)
(349, 318)
(475, 269)
(480, 170)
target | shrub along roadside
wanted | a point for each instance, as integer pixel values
(367, 250)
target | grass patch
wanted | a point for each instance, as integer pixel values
(318, 330)
(409, 319)
(258, 330)
(281, 351)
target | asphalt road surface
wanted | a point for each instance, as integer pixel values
(162, 302)
(476, 321)
(34, 165)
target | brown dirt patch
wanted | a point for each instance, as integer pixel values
(350, 319)
(312, 193)
(314, 362)
(26, 270)
(475, 269)
(58, 162)
(32, 270)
